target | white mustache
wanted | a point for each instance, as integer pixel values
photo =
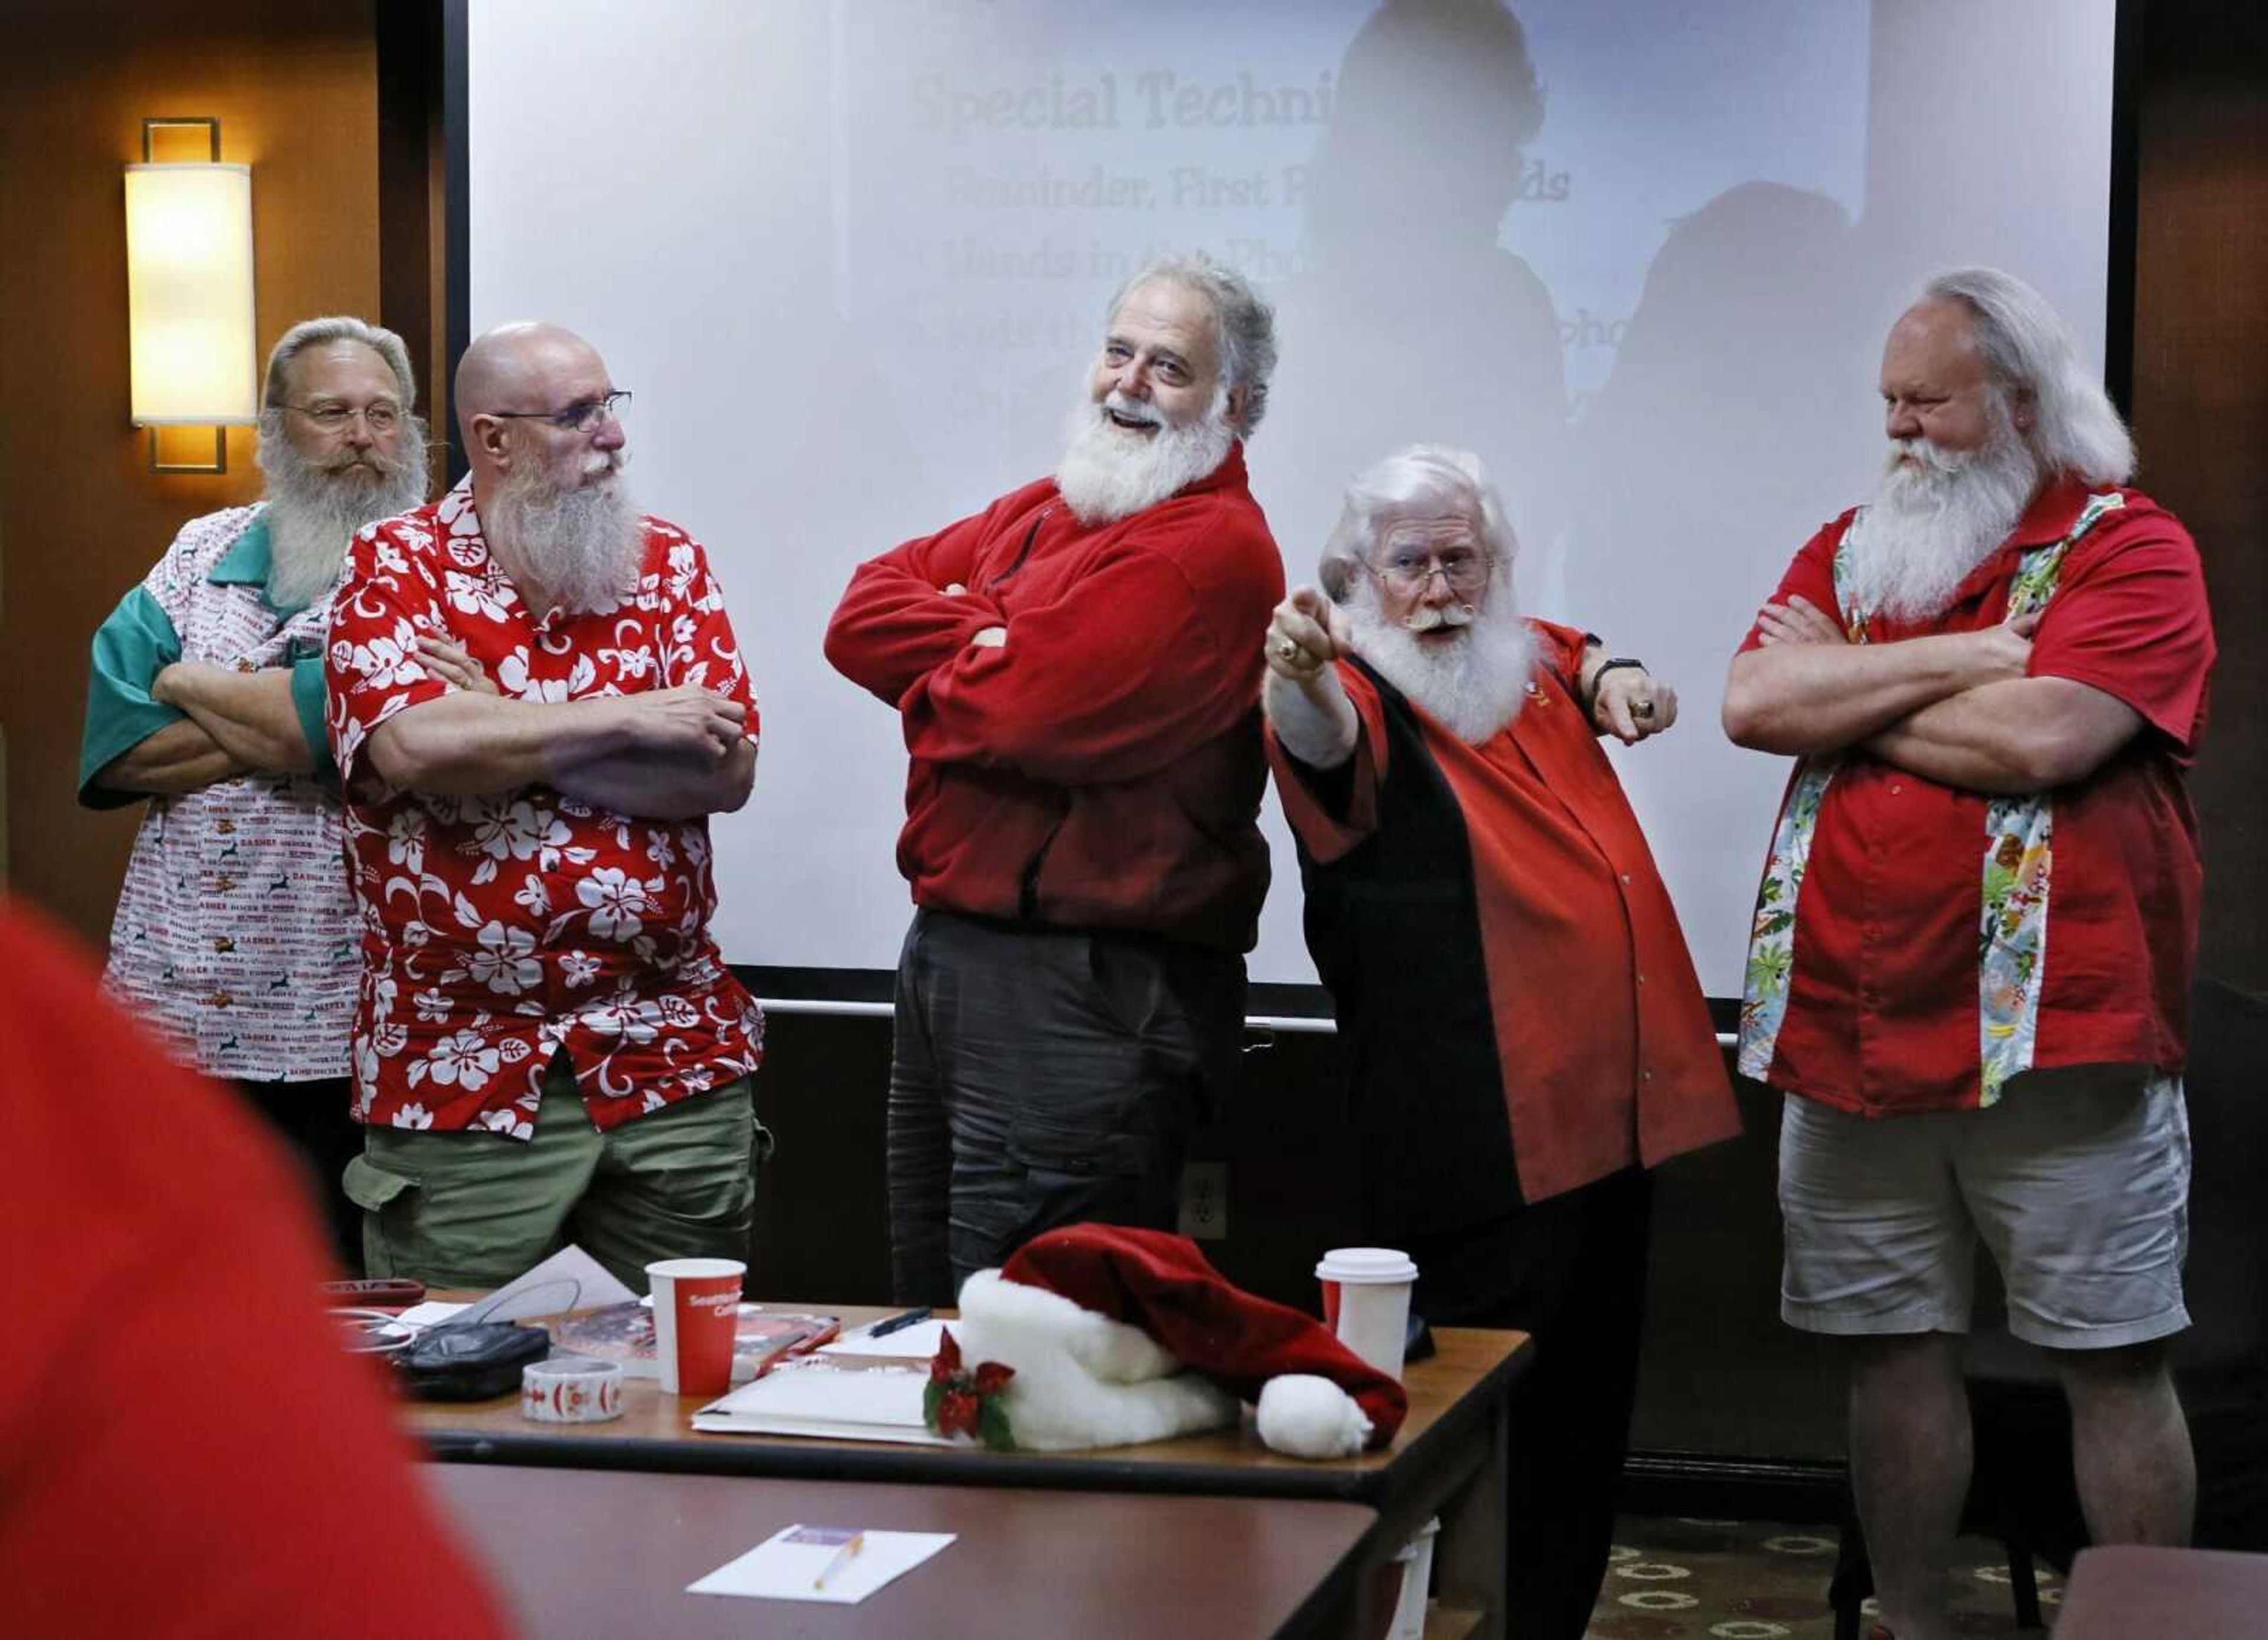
(1132, 410)
(1928, 453)
(1427, 618)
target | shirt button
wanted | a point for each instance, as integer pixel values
(1895, 788)
(1645, 1075)
(1625, 876)
(1641, 979)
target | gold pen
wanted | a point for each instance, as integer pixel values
(842, 1558)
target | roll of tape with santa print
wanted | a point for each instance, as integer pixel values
(571, 1389)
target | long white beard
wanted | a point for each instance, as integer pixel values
(1109, 473)
(313, 511)
(1474, 684)
(1935, 520)
(581, 549)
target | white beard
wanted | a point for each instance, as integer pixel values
(580, 549)
(1936, 519)
(1474, 684)
(313, 512)
(1109, 473)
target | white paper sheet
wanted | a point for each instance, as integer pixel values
(569, 1279)
(777, 1570)
(918, 1343)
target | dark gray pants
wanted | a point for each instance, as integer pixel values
(1044, 1076)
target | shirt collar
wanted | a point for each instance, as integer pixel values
(2051, 514)
(248, 562)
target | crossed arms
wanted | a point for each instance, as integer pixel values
(1129, 669)
(665, 755)
(1957, 707)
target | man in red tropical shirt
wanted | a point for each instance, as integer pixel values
(548, 1045)
(1074, 669)
(1972, 950)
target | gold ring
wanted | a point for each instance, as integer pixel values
(1285, 648)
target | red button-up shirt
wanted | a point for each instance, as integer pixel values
(1882, 1009)
(497, 929)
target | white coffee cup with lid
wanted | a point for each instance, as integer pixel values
(1366, 1302)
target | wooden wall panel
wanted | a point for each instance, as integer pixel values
(2201, 410)
(294, 84)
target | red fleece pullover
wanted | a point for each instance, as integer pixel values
(1103, 767)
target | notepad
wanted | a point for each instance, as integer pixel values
(864, 1403)
(781, 1568)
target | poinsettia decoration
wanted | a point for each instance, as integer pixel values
(960, 1401)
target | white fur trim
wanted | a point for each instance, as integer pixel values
(1008, 1312)
(1308, 1416)
(1082, 1379)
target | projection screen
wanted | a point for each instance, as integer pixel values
(852, 258)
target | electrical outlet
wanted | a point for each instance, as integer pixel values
(1204, 1201)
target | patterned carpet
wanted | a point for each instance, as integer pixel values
(1753, 1580)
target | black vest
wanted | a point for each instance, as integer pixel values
(1394, 926)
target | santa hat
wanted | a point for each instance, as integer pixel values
(1117, 1335)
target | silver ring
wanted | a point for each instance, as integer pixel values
(1641, 708)
(1286, 649)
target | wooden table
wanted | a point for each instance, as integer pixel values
(1449, 1459)
(607, 1553)
(2122, 1590)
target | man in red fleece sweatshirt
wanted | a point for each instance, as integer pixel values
(1076, 671)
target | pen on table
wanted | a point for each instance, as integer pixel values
(842, 1558)
(893, 1323)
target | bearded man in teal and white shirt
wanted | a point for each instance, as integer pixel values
(235, 934)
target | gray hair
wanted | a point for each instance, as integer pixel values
(1421, 479)
(1244, 317)
(315, 333)
(2029, 351)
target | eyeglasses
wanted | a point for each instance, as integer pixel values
(1407, 574)
(333, 418)
(583, 417)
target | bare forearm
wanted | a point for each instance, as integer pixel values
(180, 757)
(652, 787)
(2020, 735)
(471, 745)
(249, 714)
(1796, 698)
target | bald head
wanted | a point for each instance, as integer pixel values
(515, 374)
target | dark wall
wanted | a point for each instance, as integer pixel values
(2200, 409)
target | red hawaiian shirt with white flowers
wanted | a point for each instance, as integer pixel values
(499, 929)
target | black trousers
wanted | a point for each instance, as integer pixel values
(312, 1118)
(1044, 1076)
(1570, 1270)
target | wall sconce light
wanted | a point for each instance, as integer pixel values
(189, 298)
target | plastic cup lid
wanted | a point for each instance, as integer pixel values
(1367, 1264)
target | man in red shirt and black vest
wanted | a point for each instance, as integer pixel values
(1973, 944)
(1075, 671)
(1522, 1031)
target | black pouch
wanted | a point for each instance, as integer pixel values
(476, 1361)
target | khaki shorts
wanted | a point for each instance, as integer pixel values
(2076, 1181)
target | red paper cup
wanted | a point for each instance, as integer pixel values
(696, 1315)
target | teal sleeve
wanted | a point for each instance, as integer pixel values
(307, 698)
(131, 648)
